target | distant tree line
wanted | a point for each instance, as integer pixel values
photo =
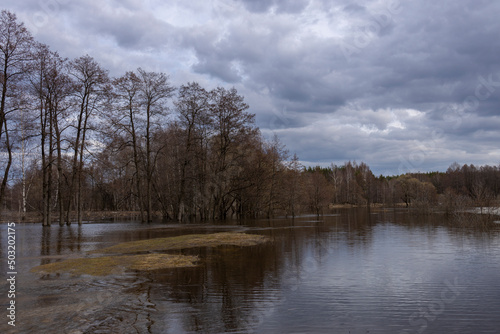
(459, 187)
(75, 140)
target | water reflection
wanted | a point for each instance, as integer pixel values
(357, 271)
(45, 245)
(59, 240)
(343, 275)
(219, 296)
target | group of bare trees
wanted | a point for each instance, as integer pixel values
(51, 100)
(197, 165)
(135, 143)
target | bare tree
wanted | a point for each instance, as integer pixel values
(155, 89)
(123, 121)
(414, 192)
(140, 103)
(91, 88)
(232, 125)
(292, 190)
(15, 44)
(365, 180)
(50, 88)
(192, 106)
(38, 88)
(58, 88)
(278, 154)
(318, 191)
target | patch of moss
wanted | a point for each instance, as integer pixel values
(106, 265)
(184, 242)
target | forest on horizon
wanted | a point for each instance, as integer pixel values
(75, 140)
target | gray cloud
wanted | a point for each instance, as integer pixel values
(281, 6)
(392, 83)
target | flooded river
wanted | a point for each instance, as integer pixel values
(355, 272)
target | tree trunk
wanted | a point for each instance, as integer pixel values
(74, 173)
(80, 171)
(148, 165)
(3, 122)
(45, 182)
(137, 165)
(60, 201)
(7, 167)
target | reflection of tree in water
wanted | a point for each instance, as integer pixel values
(359, 227)
(218, 295)
(45, 245)
(235, 289)
(66, 239)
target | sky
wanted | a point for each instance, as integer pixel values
(402, 85)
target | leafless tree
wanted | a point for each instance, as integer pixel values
(154, 89)
(318, 191)
(192, 105)
(232, 126)
(293, 186)
(124, 121)
(15, 47)
(91, 90)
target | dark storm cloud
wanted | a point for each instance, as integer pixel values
(354, 8)
(435, 57)
(392, 83)
(446, 46)
(130, 27)
(284, 6)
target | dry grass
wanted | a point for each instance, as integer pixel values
(106, 265)
(185, 241)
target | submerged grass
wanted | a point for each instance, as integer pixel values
(184, 242)
(106, 265)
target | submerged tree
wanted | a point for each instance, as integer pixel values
(123, 128)
(192, 105)
(15, 53)
(233, 126)
(293, 187)
(50, 88)
(154, 90)
(91, 90)
(140, 104)
(318, 191)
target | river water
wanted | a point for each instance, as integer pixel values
(356, 271)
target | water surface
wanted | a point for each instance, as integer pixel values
(356, 271)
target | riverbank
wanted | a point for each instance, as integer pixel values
(35, 217)
(97, 216)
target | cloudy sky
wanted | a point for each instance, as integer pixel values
(403, 85)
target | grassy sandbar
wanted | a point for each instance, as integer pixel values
(184, 242)
(106, 265)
